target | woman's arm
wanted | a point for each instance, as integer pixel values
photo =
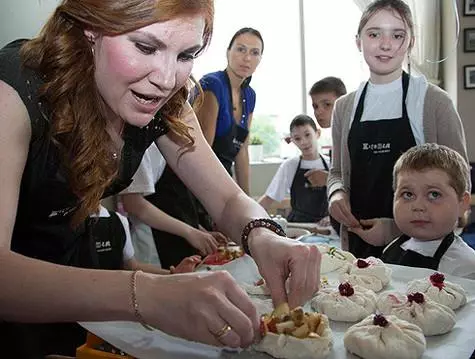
(30, 288)
(232, 209)
(135, 204)
(208, 116)
(203, 174)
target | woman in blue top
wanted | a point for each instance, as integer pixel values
(226, 112)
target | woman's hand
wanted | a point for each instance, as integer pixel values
(187, 265)
(376, 231)
(339, 208)
(220, 237)
(204, 242)
(198, 307)
(279, 258)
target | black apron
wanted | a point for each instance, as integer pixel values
(35, 340)
(109, 237)
(173, 197)
(227, 147)
(374, 148)
(394, 254)
(309, 204)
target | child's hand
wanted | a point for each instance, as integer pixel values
(317, 178)
(186, 265)
(375, 231)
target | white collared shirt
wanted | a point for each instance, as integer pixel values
(459, 259)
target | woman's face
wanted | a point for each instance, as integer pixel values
(138, 72)
(384, 41)
(244, 55)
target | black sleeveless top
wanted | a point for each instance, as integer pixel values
(46, 202)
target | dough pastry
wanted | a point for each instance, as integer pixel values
(432, 317)
(370, 273)
(345, 304)
(438, 289)
(296, 335)
(334, 259)
(385, 337)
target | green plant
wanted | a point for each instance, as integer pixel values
(255, 140)
(263, 126)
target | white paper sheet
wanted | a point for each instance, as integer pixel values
(137, 341)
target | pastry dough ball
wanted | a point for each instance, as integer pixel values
(432, 317)
(439, 290)
(345, 304)
(386, 337)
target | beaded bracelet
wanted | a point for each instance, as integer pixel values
(135, 304)
(259, 223)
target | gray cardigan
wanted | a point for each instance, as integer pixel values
(441, 124)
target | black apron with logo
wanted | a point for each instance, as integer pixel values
(173, 197)
(46, 205)
(109, 236)
(374, 148)
(394, 254)
(309, 204)
(227, 147)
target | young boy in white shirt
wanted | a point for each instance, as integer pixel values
(307, 197)
(431, 194)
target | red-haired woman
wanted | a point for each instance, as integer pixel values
(79, 105)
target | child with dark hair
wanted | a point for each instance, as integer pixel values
(303, 176)
(324, 93)
(431, 194)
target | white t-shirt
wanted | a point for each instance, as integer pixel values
(150, 169)
(459, 259)
(128, 250)
(384, 102)
(282, 181)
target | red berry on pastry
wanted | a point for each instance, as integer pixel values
(380, 320)
(416, 297)
(346, 289)
(437, 280)
(361, 263)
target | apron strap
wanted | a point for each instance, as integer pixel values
(444, 246)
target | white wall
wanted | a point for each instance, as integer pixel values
(23, 18)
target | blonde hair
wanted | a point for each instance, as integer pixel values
(433, 156)
(62, 55)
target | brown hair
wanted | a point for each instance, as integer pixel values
(62, 55)
(398, 6)
(328, 84)
(433, 156)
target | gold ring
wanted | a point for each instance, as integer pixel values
(223, 331)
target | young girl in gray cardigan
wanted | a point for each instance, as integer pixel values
(374, 125)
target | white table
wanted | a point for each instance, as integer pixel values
(134, 339)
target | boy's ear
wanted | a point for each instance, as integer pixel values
(319, 132)
(465, 202)
(358, 42)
